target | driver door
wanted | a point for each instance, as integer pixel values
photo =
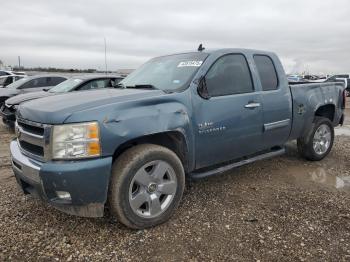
(229, 122)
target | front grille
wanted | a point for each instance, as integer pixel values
(33, 138)
(37, 130)
(34, 149)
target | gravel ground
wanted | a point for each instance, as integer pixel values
(283, 209)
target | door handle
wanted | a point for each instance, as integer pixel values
(252, 105)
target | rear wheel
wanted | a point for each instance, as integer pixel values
(318, 142)
(146, 186)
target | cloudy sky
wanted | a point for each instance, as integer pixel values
(308, 35)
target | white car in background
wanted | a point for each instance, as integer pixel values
(6, 80)
(9, 73)
(5, 73)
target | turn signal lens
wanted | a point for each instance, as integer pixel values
(93, 148)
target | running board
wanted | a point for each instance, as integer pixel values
(222, 169)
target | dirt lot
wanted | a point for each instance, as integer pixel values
(283, 209)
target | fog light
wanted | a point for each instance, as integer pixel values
(63, 195)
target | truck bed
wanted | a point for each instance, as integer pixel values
(308, 97)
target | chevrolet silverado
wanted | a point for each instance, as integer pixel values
(188, 115)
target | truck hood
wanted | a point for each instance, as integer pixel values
(16, 100)
(56, 109)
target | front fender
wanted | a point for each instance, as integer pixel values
(125, 121)
(135, 122)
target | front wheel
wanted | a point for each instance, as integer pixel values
(146, 186)
(318, 142)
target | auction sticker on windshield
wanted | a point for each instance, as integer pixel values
(190, 63)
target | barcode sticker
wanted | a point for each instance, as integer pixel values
(190, 63)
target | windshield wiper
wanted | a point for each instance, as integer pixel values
(144, 86)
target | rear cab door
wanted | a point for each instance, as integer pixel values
(276, 99)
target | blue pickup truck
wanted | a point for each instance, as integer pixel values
(188, 115)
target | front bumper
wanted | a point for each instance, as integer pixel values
(85, 180)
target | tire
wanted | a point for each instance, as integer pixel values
(313, 146)
(140, 196)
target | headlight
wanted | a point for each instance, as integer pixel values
(76, 141)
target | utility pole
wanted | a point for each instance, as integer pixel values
(19, 62)
(105, 55)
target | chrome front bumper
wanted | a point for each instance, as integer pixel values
(23, 166)
(86, 181)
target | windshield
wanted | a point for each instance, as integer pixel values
(18, 83)
(66, 86)
(167, 73)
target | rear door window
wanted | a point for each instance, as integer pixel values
(42, 81)
(267, 72)
(56, 80)
(49, 81)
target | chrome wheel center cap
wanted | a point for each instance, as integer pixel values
(152, 188)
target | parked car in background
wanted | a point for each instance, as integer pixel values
(193, 114)
(19, 73)
(314, 78)
(294, 78)
(9, 79)
(80, 83)
(334, 77)
(7, 73)
(30, 84)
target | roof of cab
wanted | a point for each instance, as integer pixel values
(236, 50)
(224, 51)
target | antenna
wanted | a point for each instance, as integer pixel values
(105, 55)
(201, 48)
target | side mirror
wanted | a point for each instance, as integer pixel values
(202, 88)
(46, 89)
